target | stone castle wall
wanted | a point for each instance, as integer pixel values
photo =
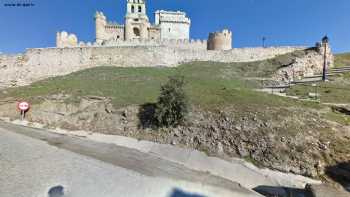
(41, 63)
(178, 44)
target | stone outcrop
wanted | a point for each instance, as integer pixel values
(305, 63)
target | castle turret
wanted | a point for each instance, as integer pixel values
(100, 22)
(220, 40)
(63, 39)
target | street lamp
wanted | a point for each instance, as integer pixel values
(263, 41)
(325, 41)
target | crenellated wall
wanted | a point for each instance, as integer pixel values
(179, 44)
(41, 63)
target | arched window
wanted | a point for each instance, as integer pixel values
(140, 9)
(132, 9)
(136, 32)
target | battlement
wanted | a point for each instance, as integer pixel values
(113, 25)
(162, 16)
(171, 43)
(137, 1)
(100, 15)
(223, 33)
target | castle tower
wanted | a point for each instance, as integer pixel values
(63, 39)
(220, 40)
(136, 20)
(100, 22)
(174, 25)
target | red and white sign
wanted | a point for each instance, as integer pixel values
(23, 106)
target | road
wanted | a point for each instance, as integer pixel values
(33, 161)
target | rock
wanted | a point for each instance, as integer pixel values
(283, 139)
(109, 108)
(99, 98)
(177, 133)
(325, 191)
(220, 148)
(243, 152)
(125, 113)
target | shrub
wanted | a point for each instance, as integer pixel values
(172, 107)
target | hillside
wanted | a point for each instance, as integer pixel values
(336, 91)
(342, 60)
(228, 117)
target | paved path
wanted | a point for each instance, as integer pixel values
(32, 161)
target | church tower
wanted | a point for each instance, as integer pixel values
(136, 6)
(136, 20)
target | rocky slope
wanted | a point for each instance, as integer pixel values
(287, 139)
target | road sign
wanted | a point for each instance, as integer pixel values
(23, 106)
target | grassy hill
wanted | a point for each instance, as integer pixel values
(342, 59)
(336, 91)
(208, 85)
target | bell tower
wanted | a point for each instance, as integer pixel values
(136, 20)
(136, 6)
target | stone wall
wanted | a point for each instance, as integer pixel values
(41, 63)
(178, 44)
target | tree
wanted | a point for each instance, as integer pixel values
(172, 107)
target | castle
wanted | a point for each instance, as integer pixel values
(166, 43)
(171, 28)
(168, 25)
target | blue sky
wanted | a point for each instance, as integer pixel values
(283, 22)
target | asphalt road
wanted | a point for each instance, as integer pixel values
(33, 161)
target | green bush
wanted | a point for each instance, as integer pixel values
(172, 106)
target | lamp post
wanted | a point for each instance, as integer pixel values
(324, 44)
(263, 42)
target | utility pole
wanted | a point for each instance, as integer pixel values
(325, 41)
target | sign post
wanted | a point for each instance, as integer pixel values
(23, 106)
